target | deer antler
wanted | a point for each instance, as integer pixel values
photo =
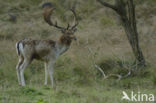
(75, 19)
(47, 17)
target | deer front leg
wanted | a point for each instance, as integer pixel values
(50, 70)
(46, 74)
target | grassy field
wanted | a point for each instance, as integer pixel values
(101, 39)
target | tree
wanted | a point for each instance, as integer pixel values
(126, 11)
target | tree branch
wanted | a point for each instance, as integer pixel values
(107, 5)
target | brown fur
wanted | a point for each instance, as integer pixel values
(44, 50)
(65, 40)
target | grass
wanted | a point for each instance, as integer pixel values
(71, 93)
(76, 78)
(74, 84)
(106, 21)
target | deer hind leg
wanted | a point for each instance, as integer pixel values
(22, 68)
(20, 62)
(46, 74)
(50, 70)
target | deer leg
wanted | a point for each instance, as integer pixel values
(22, 68)
(50, 70)
(46, 74)
(18, 69)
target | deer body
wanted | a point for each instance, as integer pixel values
(45, 50)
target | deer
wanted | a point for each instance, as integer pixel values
(45, 50)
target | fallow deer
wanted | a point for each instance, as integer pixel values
(45, 50)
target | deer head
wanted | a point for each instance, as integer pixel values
(66, 31)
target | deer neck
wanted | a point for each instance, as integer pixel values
(63, 44)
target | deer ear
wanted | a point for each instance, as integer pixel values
(63, 30)
(74, 30)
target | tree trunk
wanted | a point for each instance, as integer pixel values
(132, 36)
(129, 23)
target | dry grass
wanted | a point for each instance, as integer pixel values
(76, 78)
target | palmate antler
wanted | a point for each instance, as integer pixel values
(47, 17)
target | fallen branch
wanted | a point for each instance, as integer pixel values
(102, 72)
(114, 75)
(97, 67)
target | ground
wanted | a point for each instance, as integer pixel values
(101, 40)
